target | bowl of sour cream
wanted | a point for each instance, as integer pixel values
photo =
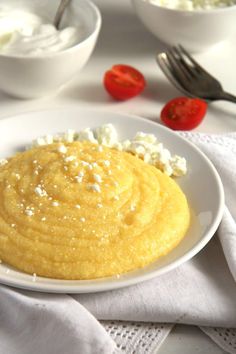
(36, 59)
(196, 24)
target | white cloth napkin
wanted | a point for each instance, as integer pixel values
(200, 292)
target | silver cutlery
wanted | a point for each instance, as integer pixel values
(60, 11)
(184, 72)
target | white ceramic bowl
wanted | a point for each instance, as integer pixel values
(202, 186)
(28, 76)
(196, 30)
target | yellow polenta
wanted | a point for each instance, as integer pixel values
(80, 211)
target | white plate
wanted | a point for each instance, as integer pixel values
(201, 185)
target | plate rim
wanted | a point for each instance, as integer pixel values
(118, 283)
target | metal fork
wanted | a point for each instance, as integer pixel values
(190, 77)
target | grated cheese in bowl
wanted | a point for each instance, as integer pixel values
(191, 5)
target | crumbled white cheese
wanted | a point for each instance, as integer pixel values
(179, 165)
(100, 148)
(40, 141)
(147, 157)
(97, 178)
(69, 136)
(142, 145)
(107, 163)
(79, 179)
(29, 212)
(148, 138)
(153, 152)
(87, 135)
(62, 149)
(136, 148)
(167, 169)
(48, 139)
(191, 5)
(55, 203)
(94, 187)
(90, 166)
(126, 144)
(107, 135)
(40, 191)
(94, 164)
(70, 158)
(164, 156)
(84, 163)
(118, 146)
(3, 162)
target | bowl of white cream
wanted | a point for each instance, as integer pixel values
(36, 59)
(196, 24)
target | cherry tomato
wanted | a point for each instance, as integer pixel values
(123, 82)
(183, 113)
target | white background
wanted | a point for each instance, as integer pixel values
(123, 39)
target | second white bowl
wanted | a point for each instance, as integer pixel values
(196, 30)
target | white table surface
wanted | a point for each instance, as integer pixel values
(123, 39)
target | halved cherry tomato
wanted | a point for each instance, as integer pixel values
(183, 113)
(123, 82)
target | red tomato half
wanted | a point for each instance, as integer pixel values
(183, 113)
(123, 82)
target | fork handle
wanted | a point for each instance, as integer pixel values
(226, 97)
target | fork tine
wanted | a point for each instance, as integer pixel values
(164, 65)
(189, 69)
(198, 67)
(177, 70)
